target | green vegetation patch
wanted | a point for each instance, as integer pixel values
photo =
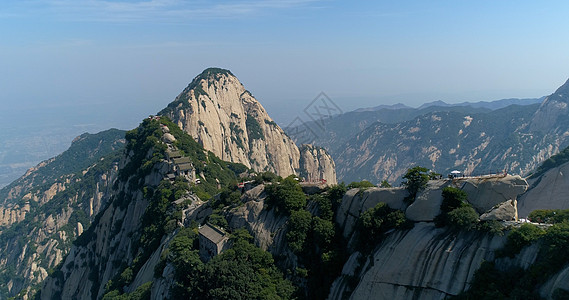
(254, 130)
(520, 237)
(242, 272)
(286, 196)
(377, 220)
(415, 180)
(550, 216)
(364, 184)
(459, 214)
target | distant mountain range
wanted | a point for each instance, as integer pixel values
(493, 105)
(381, 144)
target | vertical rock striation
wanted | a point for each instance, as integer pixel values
(317, 164)
(225, 118)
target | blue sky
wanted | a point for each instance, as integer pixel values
(131, 58)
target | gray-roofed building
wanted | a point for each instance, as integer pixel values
(212, 241)
(182, 160)
(173, 154)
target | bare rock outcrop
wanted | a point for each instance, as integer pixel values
(355, 202)
(551, 110)
(506, 211)
(549, 191)
(267, 227)
(317, 164)
(424, 263)
(225, 118)
(486, 192)
(427, 204)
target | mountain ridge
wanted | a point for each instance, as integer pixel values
(366, 154)
(225, 118)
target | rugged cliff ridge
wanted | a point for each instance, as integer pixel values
(218, 112)
(124, 243)
(51, 205)
(424, 262)
(427, 262)
(552, 113)
(316, 164)
(516, 138)
(548, 191)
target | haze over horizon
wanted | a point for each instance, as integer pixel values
(138, 55)
(69, 67)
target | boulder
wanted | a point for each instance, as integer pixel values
(255, 194)
(266, 227)
(168, 138)
(506, 211)
(486, 192)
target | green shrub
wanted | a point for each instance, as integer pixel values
(298, 227)
(227, 198)
(455, 211)
(520, 237)
(492, 227)
(453, 198)
(415, 179)
(551, 216)
(335, 194)
(286, 196)
(323, 231)
(242, 272)
(362, 184)
(463, 218)
(266, 177)
(218, 220)
(376, 220)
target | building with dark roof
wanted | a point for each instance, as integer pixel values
(212, 241)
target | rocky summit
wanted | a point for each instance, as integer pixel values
(226, 119)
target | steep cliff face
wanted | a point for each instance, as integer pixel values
(354, 203)
(515, 138)
(552, 113)
(427, 262)
(120, 250)
(225, 118)
(548, 191)
(430, 263)
(51, 205)
(108, 245)
(317, 164)
(267, 227)
(424, 263)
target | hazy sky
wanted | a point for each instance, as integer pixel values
(132, 58)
